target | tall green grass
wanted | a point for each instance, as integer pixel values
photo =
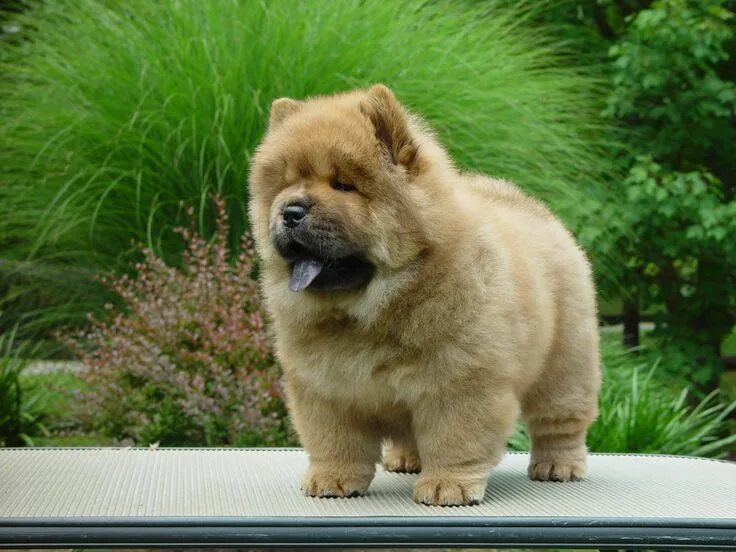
(21, 410)
(113, 113)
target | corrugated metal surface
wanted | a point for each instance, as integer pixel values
(40, 483)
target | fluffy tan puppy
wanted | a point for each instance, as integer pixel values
(416, 307)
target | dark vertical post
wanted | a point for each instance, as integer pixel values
(631, 322)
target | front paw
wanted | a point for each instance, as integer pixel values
(332, 482)
(449, 491)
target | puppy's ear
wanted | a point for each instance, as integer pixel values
(281, 109)
(390, 123)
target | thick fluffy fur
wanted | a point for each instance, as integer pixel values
(481, 308)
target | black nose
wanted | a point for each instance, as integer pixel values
(294, 215)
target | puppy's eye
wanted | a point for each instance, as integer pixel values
(341, 186)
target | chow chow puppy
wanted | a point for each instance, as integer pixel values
(418, 311)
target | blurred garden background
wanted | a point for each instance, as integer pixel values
(129, 312)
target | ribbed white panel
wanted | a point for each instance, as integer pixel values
(40, 483)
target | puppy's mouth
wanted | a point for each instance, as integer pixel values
(330, 274)
(310, 270)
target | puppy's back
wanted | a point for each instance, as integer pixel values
(532, 235)
(506, 193)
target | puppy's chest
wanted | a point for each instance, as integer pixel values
(351, 367)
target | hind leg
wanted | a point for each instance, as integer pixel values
(561, 405)
(400, 454)
(558, 449)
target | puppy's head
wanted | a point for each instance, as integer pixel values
(333, 194)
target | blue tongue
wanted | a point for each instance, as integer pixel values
(303, 273)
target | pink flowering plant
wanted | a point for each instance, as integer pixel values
(187, 360)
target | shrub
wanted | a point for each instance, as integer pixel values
(641, 414)
(187, 361)
(674, 87)
(21, 410)
(112, 113)
(683, 259)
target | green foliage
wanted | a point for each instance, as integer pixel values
(113, 113)
(667, 83)
(640, 413)
(66, 418)
(21, 411)
(675, 223)
(684, 258)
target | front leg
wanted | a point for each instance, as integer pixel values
(461, 434)
(343, 448)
